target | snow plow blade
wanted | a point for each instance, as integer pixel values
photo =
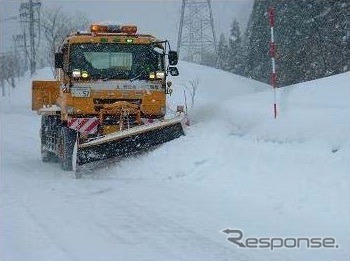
(130, 141)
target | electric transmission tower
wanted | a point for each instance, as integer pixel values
(29, 13)
(196, 39)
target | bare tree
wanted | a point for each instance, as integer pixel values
(2, 75)
(9, 68)
(56, 25)
(191, 87)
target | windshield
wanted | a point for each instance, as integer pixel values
(116, 61)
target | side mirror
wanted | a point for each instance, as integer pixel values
(173, 58)
(58, 60)
(173, 71)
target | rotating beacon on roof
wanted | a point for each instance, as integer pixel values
(109, 96)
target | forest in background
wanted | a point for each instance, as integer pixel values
(312, 41)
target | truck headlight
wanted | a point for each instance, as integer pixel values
(76, 73)
(160, 75)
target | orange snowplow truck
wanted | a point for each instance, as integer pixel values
(109, 96)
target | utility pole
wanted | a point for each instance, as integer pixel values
(31, 37)
(196, 38)
(30, 15)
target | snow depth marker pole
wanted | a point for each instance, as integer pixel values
(273, 55)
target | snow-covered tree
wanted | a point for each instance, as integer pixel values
(235, 55)
(223, 53)
(312, 39)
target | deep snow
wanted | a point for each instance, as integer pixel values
(236, 167)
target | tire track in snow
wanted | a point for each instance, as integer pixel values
(49, 233)
(184, 240)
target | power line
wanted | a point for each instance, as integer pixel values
(9, 19)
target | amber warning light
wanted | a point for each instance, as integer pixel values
(128, 29)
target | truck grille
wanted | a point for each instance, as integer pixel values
(99, 102)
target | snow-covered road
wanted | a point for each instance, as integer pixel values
(236, 167)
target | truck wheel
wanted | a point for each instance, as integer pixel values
(68, 139)
(48, 128)
(47, 156)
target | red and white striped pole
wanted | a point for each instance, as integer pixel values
(273, 56)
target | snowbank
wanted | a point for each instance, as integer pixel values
(236, 167)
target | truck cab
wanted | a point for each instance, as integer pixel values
(110, 64)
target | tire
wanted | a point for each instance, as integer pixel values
(47, 124)
(48, 156)
(68, 139)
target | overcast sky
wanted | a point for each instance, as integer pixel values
(160, 18)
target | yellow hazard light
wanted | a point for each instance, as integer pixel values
(99, 28)
(152, 76)
(129, 29)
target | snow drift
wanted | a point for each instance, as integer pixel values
(236, 167)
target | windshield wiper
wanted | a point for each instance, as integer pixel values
(136, 77)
